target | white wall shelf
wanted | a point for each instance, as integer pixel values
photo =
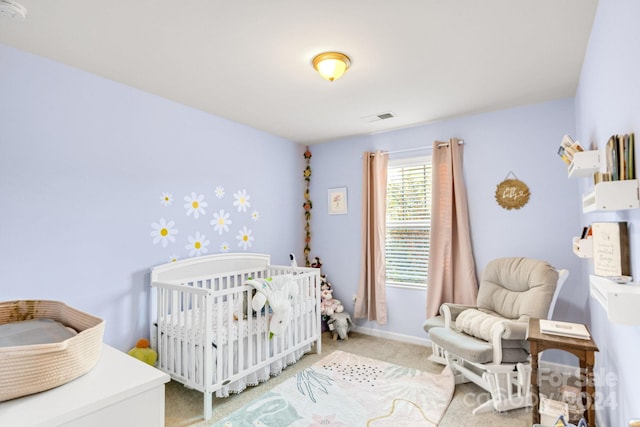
(621, 302)
(583, 247)
(612, 195)
(584, 164)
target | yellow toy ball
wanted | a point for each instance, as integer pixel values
(142, 352)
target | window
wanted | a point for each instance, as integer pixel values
(408, 221)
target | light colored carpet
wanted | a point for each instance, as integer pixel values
(183, 407)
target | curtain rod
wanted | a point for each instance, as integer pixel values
(444, 144)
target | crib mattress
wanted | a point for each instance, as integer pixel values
(186, 325)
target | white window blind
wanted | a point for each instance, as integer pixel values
(408, 221)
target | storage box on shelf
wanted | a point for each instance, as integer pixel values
(583, 247)
(612, 195)
(584, 164)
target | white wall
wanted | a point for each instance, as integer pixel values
(523, 141)
(83, 166)
(607, 103)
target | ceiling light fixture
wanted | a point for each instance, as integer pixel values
(331, 65)
(13, 10)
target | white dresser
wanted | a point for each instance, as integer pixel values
(119, 391)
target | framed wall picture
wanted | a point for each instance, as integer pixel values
(337, 201)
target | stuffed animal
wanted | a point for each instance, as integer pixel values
(278, 290)
(143, 352)
(340, 325)
(328, 304)
(316, 263)
(324, 283)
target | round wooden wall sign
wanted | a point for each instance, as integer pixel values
(512, 194)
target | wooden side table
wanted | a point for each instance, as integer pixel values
(584, 350)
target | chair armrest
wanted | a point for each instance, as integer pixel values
(515, 330)
(451, 311)
(506, 330)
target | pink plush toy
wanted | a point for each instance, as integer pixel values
(329, 304)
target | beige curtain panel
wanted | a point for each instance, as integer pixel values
(371, 302)
(452, 272)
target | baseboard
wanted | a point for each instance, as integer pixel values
(392, 336)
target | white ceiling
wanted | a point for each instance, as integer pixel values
(250, 60)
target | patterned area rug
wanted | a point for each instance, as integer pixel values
(347, 390)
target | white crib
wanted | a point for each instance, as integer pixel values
(207, 335)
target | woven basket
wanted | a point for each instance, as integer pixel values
(30, 369)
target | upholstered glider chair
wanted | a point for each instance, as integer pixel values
(486, 343)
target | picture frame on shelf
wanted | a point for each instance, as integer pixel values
(611, 255)
(337, 201)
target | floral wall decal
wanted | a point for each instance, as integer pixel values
(225, 213)
(221, 221)
(219, 191)
(163, 232)
(245, 238)
(195, 205)
(197, 245)
(242, 200)
(166, 199)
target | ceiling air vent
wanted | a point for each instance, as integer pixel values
(385, 116)
(378, 117)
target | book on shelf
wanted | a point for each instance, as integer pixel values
(568, 148)
(564, 329)
(586, 232)
(620, 157)
(599, 177)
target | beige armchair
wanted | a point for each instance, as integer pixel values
(486, 343)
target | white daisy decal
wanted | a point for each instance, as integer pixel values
(244, 238)
(197, 245)
(166, 199)
(195, 205)
(173, 258)
(242, 200)
(221, 221)
(163, 231)
(255, 215)
(219, 192)
(225, 247)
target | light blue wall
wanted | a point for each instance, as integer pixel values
(83, 164)
(521, 140)
(607, 103)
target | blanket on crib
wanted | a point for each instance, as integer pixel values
(345, 389)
